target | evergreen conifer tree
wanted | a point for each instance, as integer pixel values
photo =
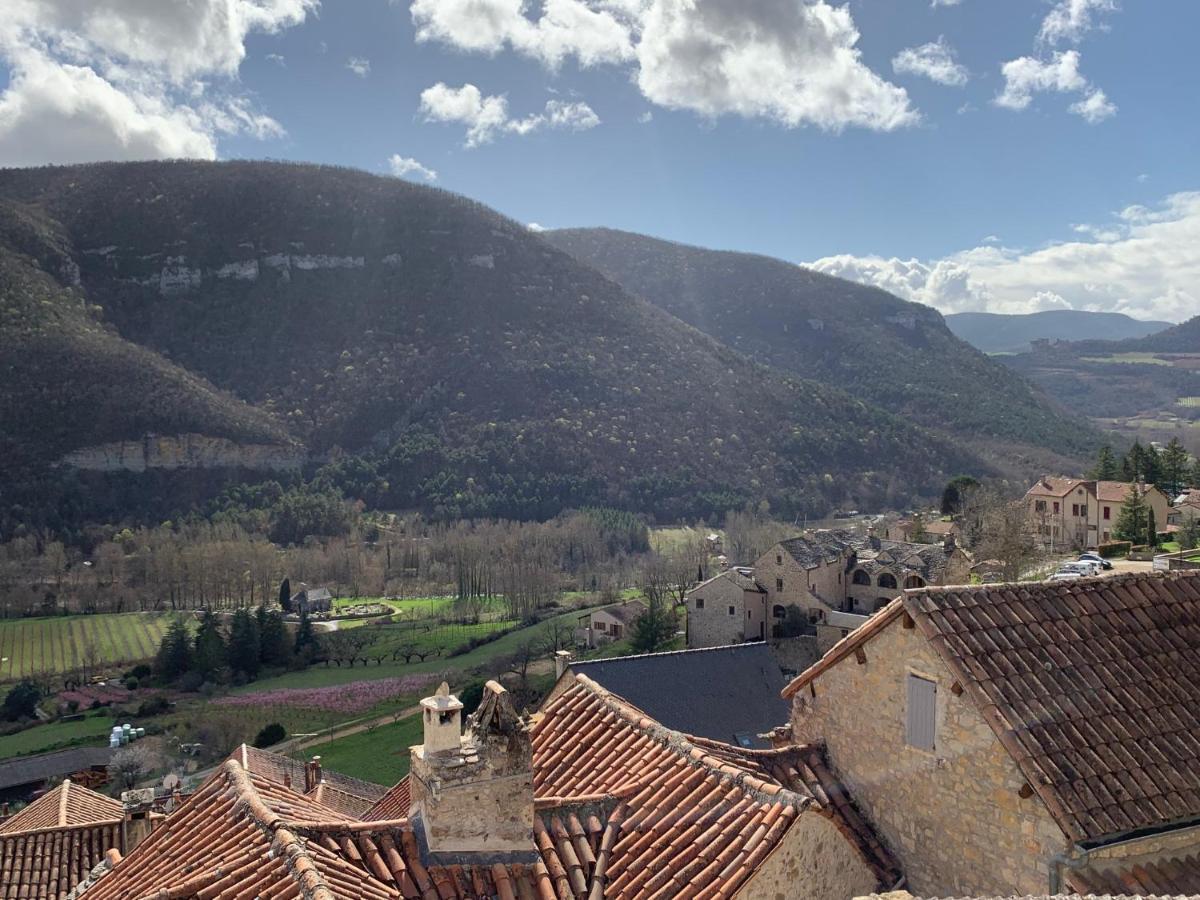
(305, 639)
(175, 652)
(211, 654)
(1106, 465)
(243, 644)
(285, 595)
(273, 649)
(1151, 527)
(1175, 473)
(1132, 521)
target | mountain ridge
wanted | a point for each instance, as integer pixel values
(999, 333)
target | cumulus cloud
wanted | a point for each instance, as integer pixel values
(796, 63)
(486, 116)
(359, 65)
(1026, 76)
(935, 61)
(1095, 107)
(1119, 269)
(1070, 20)
(407, 167)
(535, 227)
(125, 79)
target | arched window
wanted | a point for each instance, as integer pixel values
(887, 580)
(861, 577)
(778, 611)
(914, 581)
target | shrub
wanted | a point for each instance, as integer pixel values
(141, 672)
(154, 706)
(471, 696)
(270, 734)
(131, 684)
(1115, 548)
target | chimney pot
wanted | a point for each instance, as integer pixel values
(562, 659)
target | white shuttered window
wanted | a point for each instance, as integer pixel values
(921, 726)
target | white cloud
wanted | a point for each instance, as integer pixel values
(937, 3)
(646, 118)
(1027, 76)
(535, 227)
(566, 28)
(1121, 268)
(934, 61)
(278, 59)
(792, 62)
(487, 116)
(127, 79)
(359, 65)
(406, 166)
(1070, 20)
(1095, 107)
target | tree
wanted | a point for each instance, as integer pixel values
(1106, 468)
(1141, 464)
(270, 734)
(244, 643)
(211, 655)
(273, 647)
(174, 657)
(1132, 521)
(917, 533)
(285, 595)
(1174, 464)
(21, 701)
(952, 495)
(1151, 527)
(654, 629)
(1001, 530)
(129, 764)
(1189, 533)
(305, 639)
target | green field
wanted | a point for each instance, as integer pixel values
(379, 755)
(1144, 359)
(55, 736)
(1189, 402)
(63, 643)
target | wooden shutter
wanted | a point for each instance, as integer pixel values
(922, 712)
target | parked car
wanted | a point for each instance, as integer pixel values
(1083, 567)
(1064, 576)
(1092, 556)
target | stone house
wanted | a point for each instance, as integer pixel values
(312, 600)
(602, 626)
(821, 572)
(1022, 739)
(1069, 513)
(727, 609)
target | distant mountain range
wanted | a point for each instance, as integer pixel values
(996, 333)
(178, 325)
(888, 352)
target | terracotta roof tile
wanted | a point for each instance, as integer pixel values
(1178, 875)
(47, 863)
(67, 804)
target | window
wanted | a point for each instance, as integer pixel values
(743, 739)
(861, 577)
(921, 720)
(778, 611)
(779, 559)
(1039, 506)
(699, 603)
(1083, 510)
(1056, 507)
(914, 581)
(887, 580)
(732, 611)
(779, 585)
(1107, 513)
(1075, 509)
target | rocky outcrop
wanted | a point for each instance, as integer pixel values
(185, 451)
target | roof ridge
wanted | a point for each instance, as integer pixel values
(723, 647)
(694, 754)
(100, 823)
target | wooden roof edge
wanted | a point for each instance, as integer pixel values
(845, 647)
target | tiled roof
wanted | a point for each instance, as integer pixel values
(47, 863)
(392, 805)
(1092, 686)
(1117, 491)
(1055, 486)
(742, 576)
(1166, 876)
(625, 612)
(67, 804)
(690, 817)
(352, 796)
(714, 692)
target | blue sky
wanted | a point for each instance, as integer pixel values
(936, 191)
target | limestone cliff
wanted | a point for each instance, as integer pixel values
(184, 451)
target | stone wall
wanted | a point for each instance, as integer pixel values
(794, 655)
(954, 817)
(812, 862)
(817, 589)
(713, 625)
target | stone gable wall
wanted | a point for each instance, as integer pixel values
(713, 626)
(954, 817)
(814, 861)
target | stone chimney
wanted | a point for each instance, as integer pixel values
(562, 659)
(312, 774)
(949, 542)
(139, 818)
(473, 792)
(873, 538)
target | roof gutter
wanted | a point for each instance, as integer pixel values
(1079, 854)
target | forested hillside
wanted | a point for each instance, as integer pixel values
(431, 353)
(897, 355)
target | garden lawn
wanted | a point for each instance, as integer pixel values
(56, 736)
(379, 756)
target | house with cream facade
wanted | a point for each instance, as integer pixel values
(1031, 739)
(1066, 513)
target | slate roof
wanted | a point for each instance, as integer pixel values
(67, 804)
(715, 692)
(30, 769)
(927, 560)
(820, 547)
(1176, 875)
(1092, 686)
(626, 613)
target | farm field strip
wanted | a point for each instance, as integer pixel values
(60, 644)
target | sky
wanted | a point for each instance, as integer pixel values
(1000, 155)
